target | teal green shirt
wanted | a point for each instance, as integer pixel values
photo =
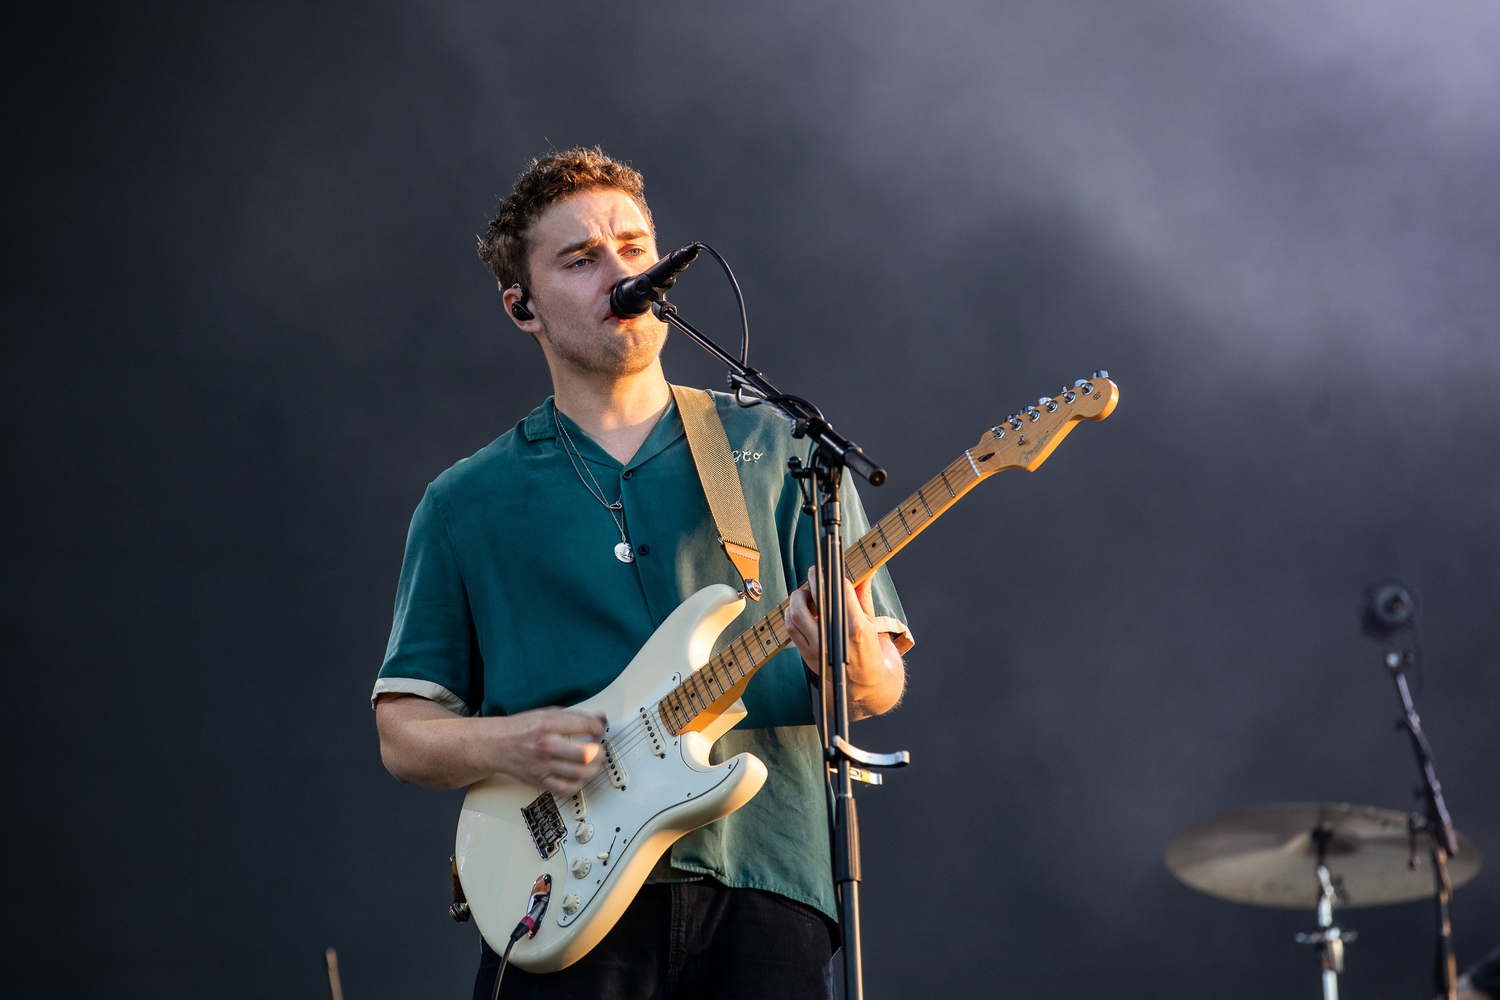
(511, 598)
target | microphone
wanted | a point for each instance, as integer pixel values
(632, 296)
(1389, 608)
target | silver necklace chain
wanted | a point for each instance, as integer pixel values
(624, 551)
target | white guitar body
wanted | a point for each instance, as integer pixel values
(655, 788)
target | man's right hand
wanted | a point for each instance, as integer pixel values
(551, 748)
(424, 743)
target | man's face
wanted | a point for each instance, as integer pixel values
(580, 247)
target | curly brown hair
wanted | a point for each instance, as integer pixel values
(548, 180)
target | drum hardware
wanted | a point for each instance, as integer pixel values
(1328, 937)
(1313, 855)
(1390, 618)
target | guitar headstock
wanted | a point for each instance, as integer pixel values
(1024, 440)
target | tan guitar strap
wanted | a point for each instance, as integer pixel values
(720, 477)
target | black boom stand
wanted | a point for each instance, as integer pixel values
(1390, 616)
(820, 478)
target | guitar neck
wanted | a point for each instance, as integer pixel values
(701, 697)
(1022, 441)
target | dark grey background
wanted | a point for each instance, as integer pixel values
(244, 326)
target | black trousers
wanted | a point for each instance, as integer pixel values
(690, 940)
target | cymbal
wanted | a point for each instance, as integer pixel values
(1266, 856)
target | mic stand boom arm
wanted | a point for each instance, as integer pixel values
(806, 418)
(820, 481)
(1437, 824)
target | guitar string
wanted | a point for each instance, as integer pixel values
(630, 737)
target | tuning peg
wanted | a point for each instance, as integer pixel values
(1084, 386)
(998, 431)
(1101, 373)
(1049, 403)
(1069, 395)
(1033, 413)
(1014, 420)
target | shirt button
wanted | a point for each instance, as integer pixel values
(626, 474)
(644, 550)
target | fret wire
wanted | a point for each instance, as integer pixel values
(884, 540)
(728, 651)
(749, 654)
(946, 485)
(927, 506)
(903, 521)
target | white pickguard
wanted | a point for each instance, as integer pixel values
(664, 798)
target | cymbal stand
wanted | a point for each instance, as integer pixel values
(1328, 937)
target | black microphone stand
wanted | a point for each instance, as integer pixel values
(1390, 615)
(820, 480)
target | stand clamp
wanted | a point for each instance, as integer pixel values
(1328, 938)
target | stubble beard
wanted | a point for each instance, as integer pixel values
(611, 357)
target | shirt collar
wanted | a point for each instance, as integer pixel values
(539, 426)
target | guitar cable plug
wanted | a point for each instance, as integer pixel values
(541, 895)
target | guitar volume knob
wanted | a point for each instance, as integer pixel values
(584, 833)
(581, 867)
(570, 903)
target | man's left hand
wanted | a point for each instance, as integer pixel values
(875, 671)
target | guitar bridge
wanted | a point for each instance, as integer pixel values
(545, 824)
(612, 766)
(657, 746)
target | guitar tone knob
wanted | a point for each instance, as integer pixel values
(581, 867)
(570, 903)
(584, 833)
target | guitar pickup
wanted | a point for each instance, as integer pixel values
(658, 747)
(612, 766)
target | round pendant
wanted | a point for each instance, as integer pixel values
(624, 553)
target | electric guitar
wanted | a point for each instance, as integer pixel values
(573, 863)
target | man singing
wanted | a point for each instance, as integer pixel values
(537, 567)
